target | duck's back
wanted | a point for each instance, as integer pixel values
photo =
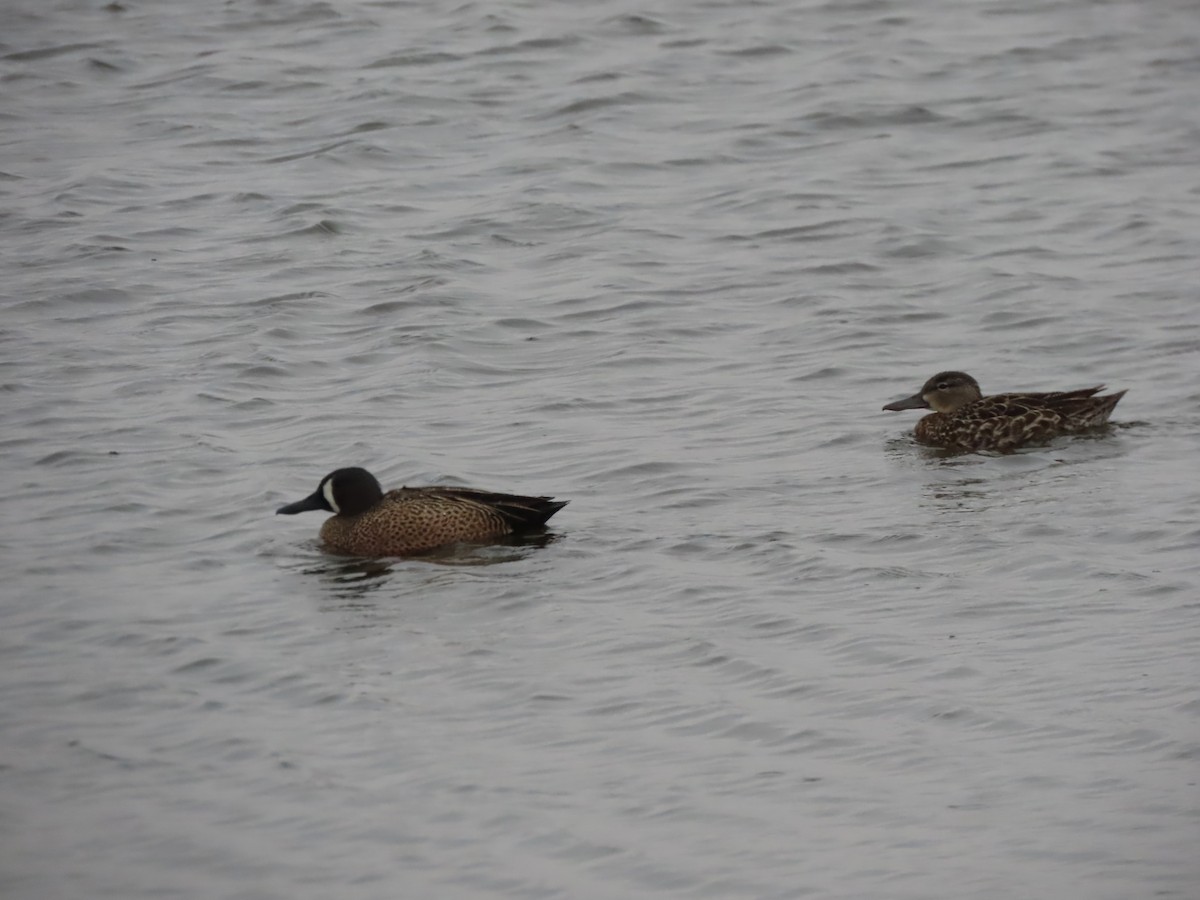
(1004, 422)
(413, 520)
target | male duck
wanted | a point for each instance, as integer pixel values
(964, 419)
(368, 522)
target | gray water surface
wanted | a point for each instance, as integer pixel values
(667, 263)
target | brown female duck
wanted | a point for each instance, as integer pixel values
(964, 419)
(406, 521)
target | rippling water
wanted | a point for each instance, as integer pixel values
(667, 262)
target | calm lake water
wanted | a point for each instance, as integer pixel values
(666, 262)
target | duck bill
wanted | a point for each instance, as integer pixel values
(312, 501)
(916, 401)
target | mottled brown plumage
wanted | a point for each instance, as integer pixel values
(407, 521)
(963, 419)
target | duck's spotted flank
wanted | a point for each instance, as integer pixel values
(407, 521)
(964, 419)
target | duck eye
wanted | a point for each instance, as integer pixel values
(943, 385)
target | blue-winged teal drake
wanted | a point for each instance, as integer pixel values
(964, 419)
(410, 520)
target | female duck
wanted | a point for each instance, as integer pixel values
(368, 522)
(964, 419)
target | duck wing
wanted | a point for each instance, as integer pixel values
(518, 511)
(1080, 409)
(1004, 422)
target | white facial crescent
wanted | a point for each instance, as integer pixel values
(327, 490)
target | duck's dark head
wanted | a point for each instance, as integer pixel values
(346, 492)
(944, 392)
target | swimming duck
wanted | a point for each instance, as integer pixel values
(409, 520)
(964, 419)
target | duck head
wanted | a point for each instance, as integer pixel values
(346, 492)
(944, 392)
